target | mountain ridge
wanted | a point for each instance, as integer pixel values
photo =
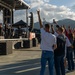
(66, 22)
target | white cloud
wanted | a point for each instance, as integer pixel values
(19, 15)
(48, 11)
(73, 7)
(36, 4)
(32, 1)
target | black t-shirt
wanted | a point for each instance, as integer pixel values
(60, 46)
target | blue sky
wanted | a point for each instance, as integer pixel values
(50, 9)
(58, 9)
(62, 2)
(56, 2)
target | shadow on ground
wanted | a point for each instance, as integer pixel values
(26, 67)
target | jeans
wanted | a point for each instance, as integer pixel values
(70, 59)
(59, 65)
(74, 53)
(47, 56)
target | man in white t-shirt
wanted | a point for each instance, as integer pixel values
(48, 44)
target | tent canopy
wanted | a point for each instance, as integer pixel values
(20, 23)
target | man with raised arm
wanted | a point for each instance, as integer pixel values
(48, 44)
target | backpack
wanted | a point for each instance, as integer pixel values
(61, 40)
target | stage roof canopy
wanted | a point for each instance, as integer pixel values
(14, 4)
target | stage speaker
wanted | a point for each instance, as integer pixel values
(35, 42)
(6, 48)
(7, 16)
(27, 43)
(31, 22)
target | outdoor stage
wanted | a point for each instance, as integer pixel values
(7, 8)
(7, 46)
